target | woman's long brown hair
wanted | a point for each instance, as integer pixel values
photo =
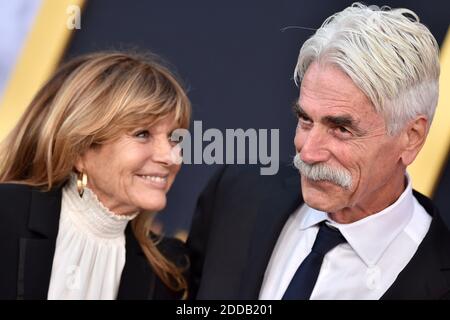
(92, 100)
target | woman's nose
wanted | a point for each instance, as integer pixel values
(164, 152)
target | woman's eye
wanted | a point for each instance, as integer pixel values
(175, 138)
(142, 134)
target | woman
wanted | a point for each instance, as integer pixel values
(91, 153)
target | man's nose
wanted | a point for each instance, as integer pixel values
(312, 145)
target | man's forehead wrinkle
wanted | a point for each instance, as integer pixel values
(354, 106)
(334, 111)
(319, 87)
(363, 120)
(327, 80)
(327, 100)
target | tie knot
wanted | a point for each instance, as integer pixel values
(327, 238)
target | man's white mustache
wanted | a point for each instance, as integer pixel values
(323, 172)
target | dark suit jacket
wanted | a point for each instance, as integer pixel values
(238, 220)
(29, 221)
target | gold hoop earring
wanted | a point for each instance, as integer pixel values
(81, 183)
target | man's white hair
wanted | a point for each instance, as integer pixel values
(389, 55)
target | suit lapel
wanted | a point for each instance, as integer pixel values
(36, 253)
(137, 280)
(427, 275)
(280, 200)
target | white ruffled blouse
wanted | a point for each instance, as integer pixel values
(90, 248)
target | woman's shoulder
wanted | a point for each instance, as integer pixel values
(17, 200)
(14, 206)
(10, 189)
(14, 192)
(171, 244)
(173, 249)
(14, 196)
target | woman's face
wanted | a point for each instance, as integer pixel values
(134, 172)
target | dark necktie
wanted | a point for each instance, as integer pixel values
(304, 280)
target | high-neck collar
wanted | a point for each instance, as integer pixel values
(90, 215)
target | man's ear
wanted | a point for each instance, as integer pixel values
(414, 136)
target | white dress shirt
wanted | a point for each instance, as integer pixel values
(378, 248)
(90, 248)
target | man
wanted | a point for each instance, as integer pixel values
(356, 229)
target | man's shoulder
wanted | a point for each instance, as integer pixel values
(425, 202)
(432, 209)
(425, 276)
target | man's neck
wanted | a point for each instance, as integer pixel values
(377, 201)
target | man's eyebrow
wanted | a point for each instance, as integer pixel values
(341, 121)
(337, 121)
(299, 111)
(344, 121)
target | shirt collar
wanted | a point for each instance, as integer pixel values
(371, 236)
(311, 217)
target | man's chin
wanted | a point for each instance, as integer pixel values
(318, 206)
(319, 199)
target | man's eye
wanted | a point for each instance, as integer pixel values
(342, 132)
(304, 123)
(142, 134)
(304, 119)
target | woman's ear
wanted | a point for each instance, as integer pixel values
(414, 137)
(79, 163)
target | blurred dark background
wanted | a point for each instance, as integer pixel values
(237, 61)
